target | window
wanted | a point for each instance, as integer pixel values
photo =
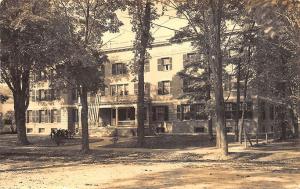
(119, 69)
(147, 65)
(191, 58)
(35, 116)
(42, 95)
(199, 112)
(55, 116)
(47, 95)
(29, 130)
(33, 95)
(122, 89)
(146, 89)
(119, 90)
(164, 64)
(126, 92)
(191, 112)
(29, 116)
(164, 87)
(231, 109)
(186, 112)
(160, 113)
(41, 130)
(178, 113)
(43, 116)
(113, 90)
(188, 85)
(199, 130)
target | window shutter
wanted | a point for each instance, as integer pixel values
(147, 88)
(160, 88)
(193, 111)
(113, 69)
(136, 88)
(185, 60)
(179, 112)
(170, 59)
(160, 64)
(58, 116)
(124, 69)
(52, 116)
(106, 91)
(153, 113)
(27, 116)
(166, 113)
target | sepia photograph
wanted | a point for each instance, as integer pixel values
(149, 94)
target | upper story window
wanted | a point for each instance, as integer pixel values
(164, 64)
(188, 85)
(147, 65)
(45, 95)
(119, 90)
(146, 88)
(191, 57)
(119, 69)
(164, 87)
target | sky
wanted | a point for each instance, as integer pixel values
(125, 37)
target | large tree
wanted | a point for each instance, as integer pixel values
(31, 38)
(142, 13)
(278, 51)
(88, 21)
(207, 28)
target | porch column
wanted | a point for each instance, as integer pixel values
(117, 116)
(135, 116)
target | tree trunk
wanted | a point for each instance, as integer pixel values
(209, 121)
(241, 127)
(84, 121)
(20, 117)
(238, 101)
(295, 123)
(217, 69)
(145, 29)
(282, 123)
(140, 107)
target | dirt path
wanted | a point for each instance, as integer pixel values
(268, 166)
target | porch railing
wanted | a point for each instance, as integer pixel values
(126, 123)
(120, 99)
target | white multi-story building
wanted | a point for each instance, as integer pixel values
(116, 107)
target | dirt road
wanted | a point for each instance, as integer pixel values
(269, 166)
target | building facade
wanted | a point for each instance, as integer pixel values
(116, 106)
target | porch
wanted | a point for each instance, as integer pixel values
(118, 116)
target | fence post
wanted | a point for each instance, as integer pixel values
(267, 138)
(256, 139)
(245, 138)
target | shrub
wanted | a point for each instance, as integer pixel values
(58, 136)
